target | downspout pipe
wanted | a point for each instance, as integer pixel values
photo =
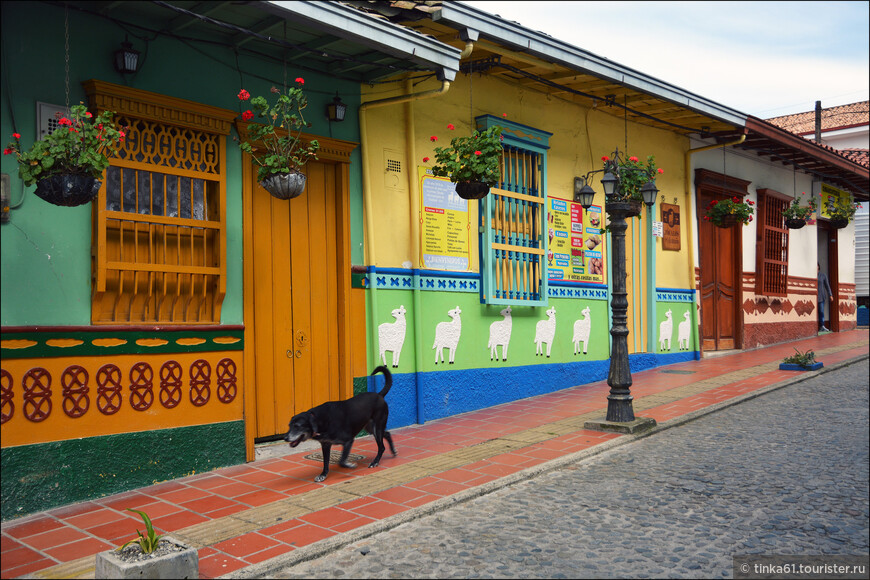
(687, 178)
(368, 208)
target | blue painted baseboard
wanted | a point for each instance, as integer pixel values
(451, 392)
(794, 367)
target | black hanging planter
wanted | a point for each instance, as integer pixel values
(839, 223)
(471, 189)
(67, 189)
(630, 208)
(727, 221)
(795, 223)
(284, 185)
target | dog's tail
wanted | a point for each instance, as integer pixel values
(388, 379)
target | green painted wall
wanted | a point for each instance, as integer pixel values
(40, 477)
(45, 251)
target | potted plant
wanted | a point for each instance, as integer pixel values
(631, 176)
(280, 154)
(841, 210)
(800, 361)
(724, 213)
(472, 163)
(796, 215)
(67, 164)
(148, 556)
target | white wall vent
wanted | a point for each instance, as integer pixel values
(46, 118)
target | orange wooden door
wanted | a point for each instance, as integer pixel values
(297, 260)
(720, 283)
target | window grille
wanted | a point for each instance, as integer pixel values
(771, 277)
(513, 240)
(160, 220)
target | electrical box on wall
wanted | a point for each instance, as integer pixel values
(47, 117)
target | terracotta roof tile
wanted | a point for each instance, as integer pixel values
(860, 156)
(833, 118)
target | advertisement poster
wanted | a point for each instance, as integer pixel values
(576, 244)
(445, 224)
(829, 191)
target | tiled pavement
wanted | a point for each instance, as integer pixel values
(244, 515)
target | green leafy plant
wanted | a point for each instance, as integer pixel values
(632, 175)
(800, 212)
(474, 158)
(285, 151)
(718, 211)
(147, 542)
(841, 207)
(804, 359)
(80, 145)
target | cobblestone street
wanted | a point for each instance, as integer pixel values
(785, 473)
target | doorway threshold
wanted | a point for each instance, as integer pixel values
(715, 353)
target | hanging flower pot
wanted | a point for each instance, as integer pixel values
(839, 223)
(629, 209)
(67, 164)
(795, 223)
(68, 189)
(472, 189)
(726, 222)
(284, 185)
(727, 212)
(277, 145)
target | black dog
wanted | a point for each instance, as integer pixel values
(340, 421)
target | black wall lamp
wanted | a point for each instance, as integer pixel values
(126, 59)
(336, 109)
(583, 193)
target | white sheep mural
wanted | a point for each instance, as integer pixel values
(500, 334)
(447, 335)
(545, 331)
(684, 331)
(391, 336)
(666, 331)
(582, 329)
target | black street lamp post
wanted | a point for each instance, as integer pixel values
(619, 401)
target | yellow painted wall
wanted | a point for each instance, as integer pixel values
(581, 136)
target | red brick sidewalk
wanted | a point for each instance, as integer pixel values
(60, 543)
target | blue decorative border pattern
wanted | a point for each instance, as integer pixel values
(556, 290)
(675, 295)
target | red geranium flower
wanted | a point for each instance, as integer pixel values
(64, 121)
(8, 151)
(750, 202)
(605, 158)
(425, 159)
(433, 138)
(450, 126)
(661, 170)
(478, 153)
(16, 135)
(300, 80)
(247, 115)
(633, 159)
(244, 95)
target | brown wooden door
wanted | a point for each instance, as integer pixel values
(298, 257)
(720, 267)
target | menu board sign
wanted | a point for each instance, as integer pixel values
(445, 224)
(575, 242)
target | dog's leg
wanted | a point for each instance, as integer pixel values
(324, 449)
(345, 451)
(390, 441)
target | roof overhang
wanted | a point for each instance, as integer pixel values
(351, 24)
(593, 75)
(768, 140)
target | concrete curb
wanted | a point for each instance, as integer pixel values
(269, 567)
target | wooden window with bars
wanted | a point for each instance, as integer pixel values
(771, 271)
(159, 236)
(513, 219)
(513, 225)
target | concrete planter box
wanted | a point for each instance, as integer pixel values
(180, 564)
(794, 367)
